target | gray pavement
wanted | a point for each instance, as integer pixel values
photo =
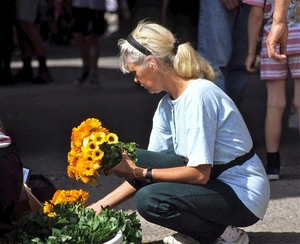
(39, 118)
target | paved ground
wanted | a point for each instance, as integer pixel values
(39, 118)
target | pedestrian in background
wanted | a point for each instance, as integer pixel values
(222, 40)
(89, 25)
(200, 175)
(31, 42)
(275, 74)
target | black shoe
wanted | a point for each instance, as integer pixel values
(273, 173)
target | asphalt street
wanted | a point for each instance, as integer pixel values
(39, 119)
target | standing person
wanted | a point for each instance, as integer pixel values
(222, 40)
(89, 24)
(199, 176)
(31, 42)
(278, 33)
(275, 74)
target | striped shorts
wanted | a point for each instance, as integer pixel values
(271, 70)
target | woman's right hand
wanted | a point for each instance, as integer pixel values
(97, 206)
(122, 193)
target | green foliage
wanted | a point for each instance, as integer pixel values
(76, 224)
(112, 155)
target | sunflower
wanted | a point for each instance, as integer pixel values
(97, 154)
(111, 138)
(100, 137)
(94, 149)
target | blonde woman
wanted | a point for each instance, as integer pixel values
(199, 175)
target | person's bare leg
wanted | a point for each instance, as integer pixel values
(37, 45)
(93, 41)
(297, 99)
(83, 48)
(276, 103)
(34, 37)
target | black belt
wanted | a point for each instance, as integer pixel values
(216, 170)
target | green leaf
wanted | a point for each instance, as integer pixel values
(75, 224)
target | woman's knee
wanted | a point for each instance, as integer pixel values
(142, 201)
(148, 203)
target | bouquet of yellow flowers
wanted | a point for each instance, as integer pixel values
(93, 150)
(66, 219)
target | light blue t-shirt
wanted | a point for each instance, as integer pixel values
(205, 127)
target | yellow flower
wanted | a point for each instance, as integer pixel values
(91, 145)
(70, 171)
(69, 196)
(111, 138)
(100, 137)
(48, 209)
(98, 154)
(65, 197)
(92, 151)
(97, 166)
(91, 124)
(72, 158)
(85, 167)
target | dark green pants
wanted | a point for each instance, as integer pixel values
(199, 211)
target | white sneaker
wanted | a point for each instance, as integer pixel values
(179, 239)
(233, 235)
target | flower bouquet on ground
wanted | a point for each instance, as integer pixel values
(93, 150)
(66, 219)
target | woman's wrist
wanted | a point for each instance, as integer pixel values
(140, 173)
(143, 174)
(148, 176)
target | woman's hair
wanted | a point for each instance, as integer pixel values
(153, 39)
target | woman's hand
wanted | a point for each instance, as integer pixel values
(126, 168)
(122, 193)
(97, 206)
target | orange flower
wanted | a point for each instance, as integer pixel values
(93, 150)
(69, 196)
(85, 155)
(65, 197)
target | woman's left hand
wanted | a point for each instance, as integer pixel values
(126, 167)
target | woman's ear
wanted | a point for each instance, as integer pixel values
(152, 62)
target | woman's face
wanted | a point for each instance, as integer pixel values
(146, 76)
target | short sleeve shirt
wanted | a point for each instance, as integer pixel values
(205, 127)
